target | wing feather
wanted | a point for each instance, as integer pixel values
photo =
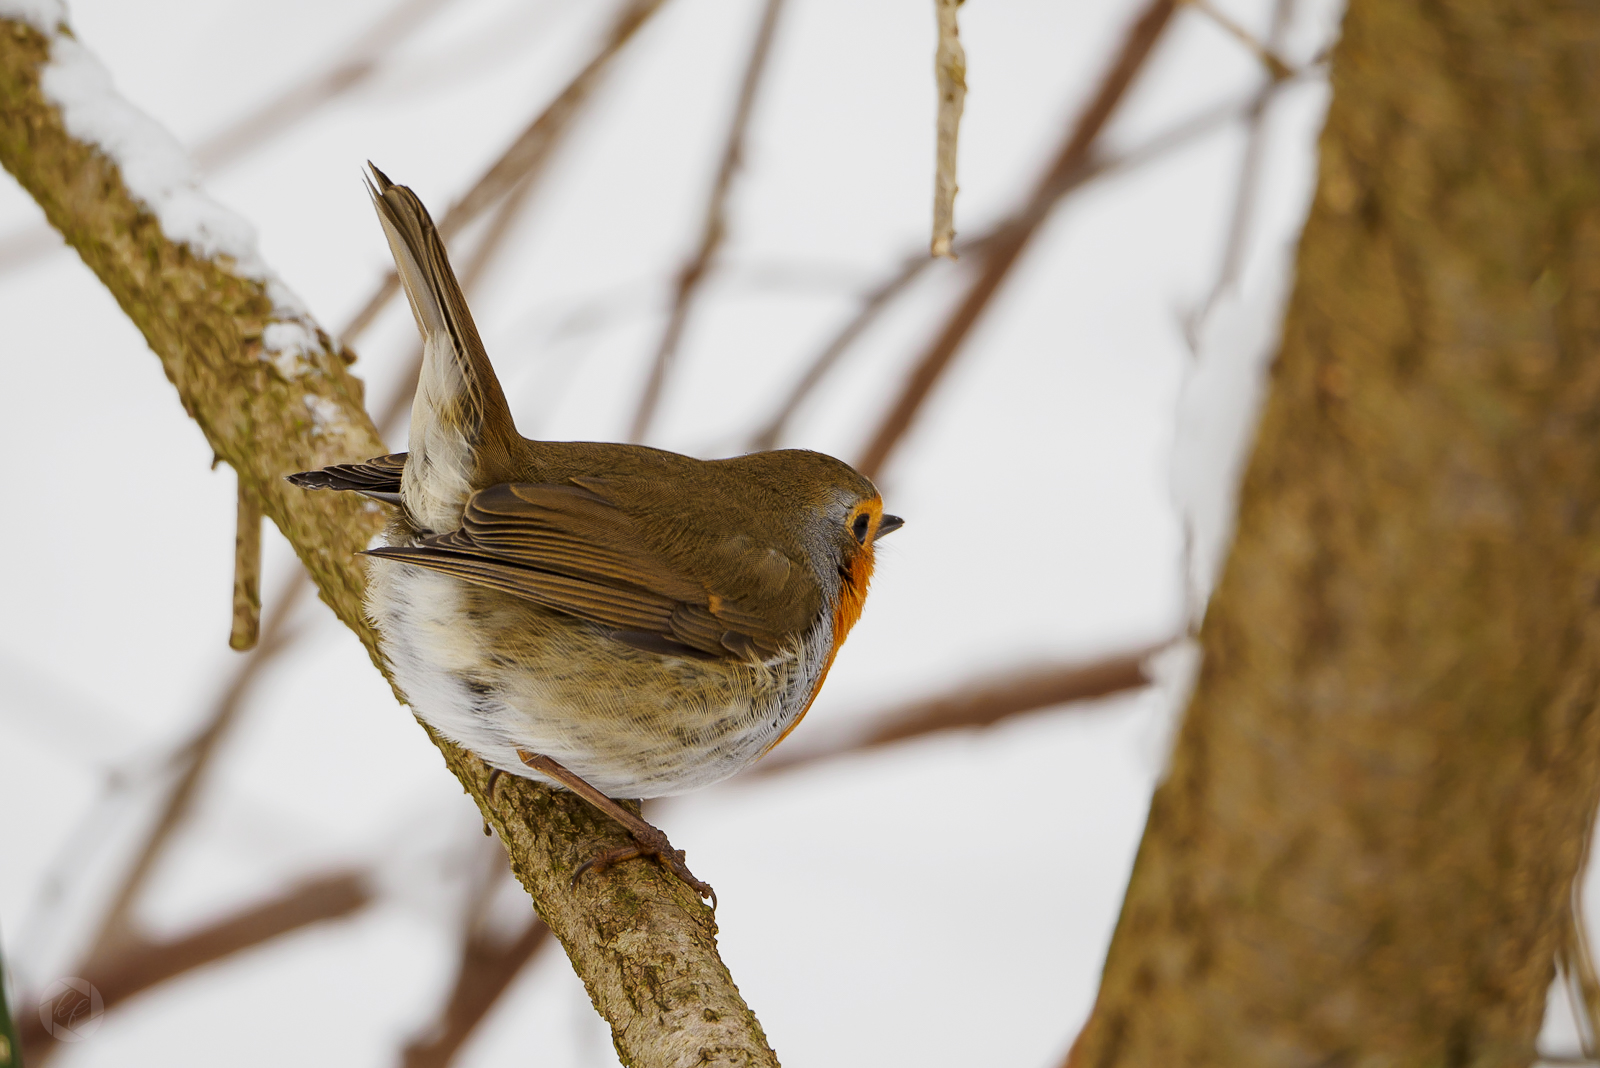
(567, 548)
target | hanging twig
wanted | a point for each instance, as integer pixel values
(246, 570)
(1002, 254)
(712, 230)
(950, 74)
(877, 299)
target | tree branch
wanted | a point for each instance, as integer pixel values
(712, 230)
(142, 965)
(486, 969)
(980, 703)
(1006, 249)
(910, 268)
(273, 396)
(525, 156)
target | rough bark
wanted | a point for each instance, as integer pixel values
(1380, 794)
(642, 942)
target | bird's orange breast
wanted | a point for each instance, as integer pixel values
(846, 610)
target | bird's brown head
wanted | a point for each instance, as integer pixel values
(834, 515)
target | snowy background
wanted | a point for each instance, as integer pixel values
(943, 902)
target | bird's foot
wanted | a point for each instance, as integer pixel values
(649, 842)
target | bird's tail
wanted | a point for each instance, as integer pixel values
(461, 427)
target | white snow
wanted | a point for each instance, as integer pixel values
(326, 416)
(287, 344)
(158, 172)
(43, 15)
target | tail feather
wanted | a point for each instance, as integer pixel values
(460, 421)
(378, 478)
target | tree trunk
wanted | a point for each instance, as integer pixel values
(1378, 800)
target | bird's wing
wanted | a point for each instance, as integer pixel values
(378, 478)
(568, 548)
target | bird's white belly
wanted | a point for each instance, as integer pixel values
(496, 674)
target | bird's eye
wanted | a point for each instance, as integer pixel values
(859, 528)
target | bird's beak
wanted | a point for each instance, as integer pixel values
(888, 525)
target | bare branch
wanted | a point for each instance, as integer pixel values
(116, 931)
(356, 66)
(643, 943)
(981, 703)
(872, 304)
(1002, 254)
(950, 73)
(525, 158)
(145, 964)
(911, 266)
(1249, 179)
(712, 230)
(1267, 52)
(486, 970)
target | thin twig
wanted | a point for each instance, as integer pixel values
(145, 964)
(246, 570)
(981, 703)
(872, 304)
(877, 299)
(485, 972)
(526, 156)
(1266, 53)
(714, 227)
(1001, 255)
(950, 76)
(1249, 180)
(358, 63)
(194, 759)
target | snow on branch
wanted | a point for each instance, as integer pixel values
(273, 395)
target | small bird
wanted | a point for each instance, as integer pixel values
(614, 619)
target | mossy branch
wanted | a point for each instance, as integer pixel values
(643, 944)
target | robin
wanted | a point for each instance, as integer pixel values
(614, 619)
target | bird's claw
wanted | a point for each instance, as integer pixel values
(654, 846)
